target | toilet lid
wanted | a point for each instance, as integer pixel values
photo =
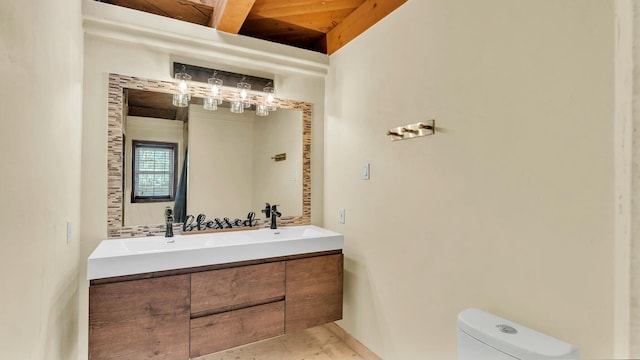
(512, 338)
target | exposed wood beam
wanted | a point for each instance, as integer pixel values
(204, 2)
(229, 15)
(321, 22)
(193, 11)
(207, 8)
(362, 18)
(321, 44)
(278, 9)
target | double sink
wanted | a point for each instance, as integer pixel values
(121, 257)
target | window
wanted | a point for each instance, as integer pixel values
(154, 171)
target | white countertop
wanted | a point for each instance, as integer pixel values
(119, 257)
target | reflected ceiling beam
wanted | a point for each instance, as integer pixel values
(182, 114)
(229, 15)
(362, 18)
(150, 112)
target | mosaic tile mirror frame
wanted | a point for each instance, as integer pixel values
(115, 151)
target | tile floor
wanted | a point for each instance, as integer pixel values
(317, 343)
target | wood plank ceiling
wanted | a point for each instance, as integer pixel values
(319, 25)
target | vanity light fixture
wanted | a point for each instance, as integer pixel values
(182, 96)
(220, 87)
(269, 94)
(265, 101)
(244, 88)
(215, 96)
(237, 107)
(241, 97)
(262, 109)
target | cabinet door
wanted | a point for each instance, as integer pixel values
(313, 292)
(140, 319)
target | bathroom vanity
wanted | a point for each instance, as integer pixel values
(149, 299)
(153, 299)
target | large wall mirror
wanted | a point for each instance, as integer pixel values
(225, 161)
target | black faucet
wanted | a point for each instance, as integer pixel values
(168, 217)
(267, 210)
(272, 211)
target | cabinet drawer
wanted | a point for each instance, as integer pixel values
(234, 328)
(221, 290)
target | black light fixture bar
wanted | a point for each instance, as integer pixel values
(230, 79)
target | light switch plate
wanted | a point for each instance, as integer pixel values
(68, 231)
(366, 171)
(341, 215)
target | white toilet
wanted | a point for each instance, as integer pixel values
(484, 336)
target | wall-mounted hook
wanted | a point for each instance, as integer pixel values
(413, 130)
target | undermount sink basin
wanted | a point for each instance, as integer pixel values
(119, 257)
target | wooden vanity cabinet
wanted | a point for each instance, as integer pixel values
(193, 312)
(314, 291)
(140, 319)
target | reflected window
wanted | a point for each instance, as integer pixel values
(154, 171)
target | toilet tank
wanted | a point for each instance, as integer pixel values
(484, 336)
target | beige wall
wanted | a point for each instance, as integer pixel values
(220, 163)
(41, 50)
(140, 128)
(231, 171)
(628, 103)
(509, 207)
(278, 182)
(624, 170)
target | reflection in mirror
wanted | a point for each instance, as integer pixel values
(231, 163)
(157, 177)
(231, 169)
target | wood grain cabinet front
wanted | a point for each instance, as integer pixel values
(140, 319)
(233, 328)
(197, 311)
(236, 306)
(227, 289)
(313, 291)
